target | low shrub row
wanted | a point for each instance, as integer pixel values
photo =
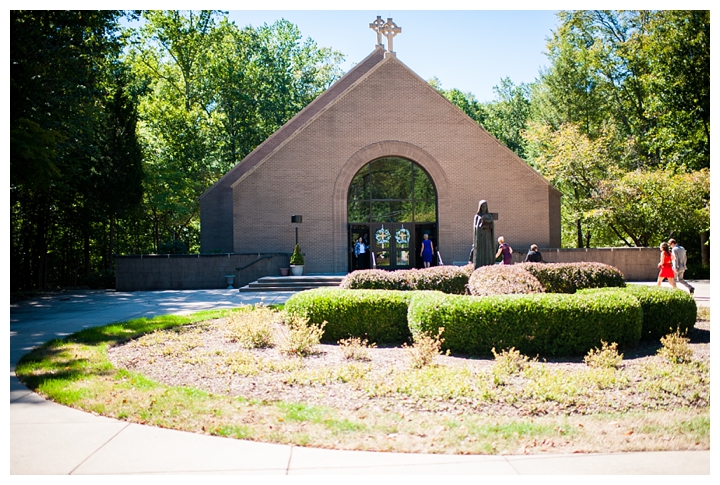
(544, 324)
(664, 310)
(547, 324)
(496, 279)
(526, 278)
(378, 316)
(503, 280)
(570, 277)
(447, 279)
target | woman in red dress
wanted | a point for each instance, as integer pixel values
(665, 265)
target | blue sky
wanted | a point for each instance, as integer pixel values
(467, 50)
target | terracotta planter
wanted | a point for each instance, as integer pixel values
(284, 271)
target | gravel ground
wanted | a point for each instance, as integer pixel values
(202, 356)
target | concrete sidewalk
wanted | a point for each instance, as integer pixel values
(47, 438)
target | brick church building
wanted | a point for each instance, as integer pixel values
(380, 154)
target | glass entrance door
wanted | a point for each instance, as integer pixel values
(392, 245)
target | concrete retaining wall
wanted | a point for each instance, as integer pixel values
(194, 271)
(637, 264)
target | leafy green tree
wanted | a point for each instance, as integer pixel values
(508, 115)
(216, 91)
(645, 207)
(58, 64)
(575, 165)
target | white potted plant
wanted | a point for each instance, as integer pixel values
(297, 262)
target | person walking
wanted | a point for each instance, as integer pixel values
(505, 250)
(427, 251)
(680, 264)
(666, 265)
(361, 254)
(533, 256)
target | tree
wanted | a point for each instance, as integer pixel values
(645, 207)
(465, 101)
(215, 91)
(57, 92)
(575, 165)
(508, 116)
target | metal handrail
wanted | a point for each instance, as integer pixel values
(260, 258)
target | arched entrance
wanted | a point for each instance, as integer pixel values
(392, 203)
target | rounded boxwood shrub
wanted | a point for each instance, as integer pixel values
(570, 277)
(665, 310)
(377, 315)
(545, 324)
(448, 279)
(500, 279)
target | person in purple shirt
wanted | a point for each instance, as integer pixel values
(505, 250)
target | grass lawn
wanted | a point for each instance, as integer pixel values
(217, 373)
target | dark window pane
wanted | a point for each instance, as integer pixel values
(358, 211)
(360, 185)
(391, 178)
(381, 212)
(425, 211)
(424, 188)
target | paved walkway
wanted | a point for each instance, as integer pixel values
(47, 438)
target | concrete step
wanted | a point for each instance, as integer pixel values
(293, 283)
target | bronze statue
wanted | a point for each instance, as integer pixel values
(483, 253)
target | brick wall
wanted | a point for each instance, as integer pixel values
(389, 111)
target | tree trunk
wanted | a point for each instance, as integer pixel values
(579, 234)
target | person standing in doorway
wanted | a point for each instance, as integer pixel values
(680, 264)
(505, 250)
(427, 251)
(361, 254)
(666, 265)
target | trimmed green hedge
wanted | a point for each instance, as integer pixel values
(448, 279)
(377, 315)
(664, 309)
(548, 324)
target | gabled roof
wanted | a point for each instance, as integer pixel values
(286, 131)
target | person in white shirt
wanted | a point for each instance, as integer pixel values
(680, 264)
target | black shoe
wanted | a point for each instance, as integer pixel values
(692, 290)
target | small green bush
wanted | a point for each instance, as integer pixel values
(570, 277)
(448, 279)
(301, 338)
(253, 328)
(675, 348)
(664, 309)
(376, 315)
(500, 279)
(297, 258)
(424, 349)
(355, 348)
(547, 324)
(606, 357)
